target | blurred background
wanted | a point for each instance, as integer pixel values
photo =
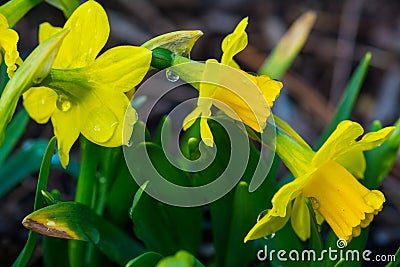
(344, 31)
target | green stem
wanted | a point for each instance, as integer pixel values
(14, 10)
(85, 192)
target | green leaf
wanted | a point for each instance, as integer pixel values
(180, 259)
(396, 262)
(29, 156)
(340, 263)
(72, 220)
(165, 229)
(55, 252)
(14, 10)
(244, 215)
(26, 252)
(3, 76)
(380, 160)
(148, 259)
(163, 133)
(34, 69)
(348, 99)
(13, 134)
(288, 47)
(66, 6)
(357, 243)
(316, 243)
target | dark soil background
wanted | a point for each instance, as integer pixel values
(343, 33)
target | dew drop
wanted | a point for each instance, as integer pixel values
(130, 212)
(63, 103)
(269, 236)
(97, 128)
(172, 76)
(37, 80)
(314, 203)
(130, 143)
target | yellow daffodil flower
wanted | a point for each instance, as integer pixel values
(328, 180)
(8, 46)
(85, 94)
(241, 96)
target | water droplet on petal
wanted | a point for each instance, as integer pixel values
(97, 128)
(63, 103)
(172, 76)
(314, 203)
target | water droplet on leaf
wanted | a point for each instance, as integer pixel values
(63, 103)
(37, 80)
(172, 76)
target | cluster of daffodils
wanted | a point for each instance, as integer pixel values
(84, 93)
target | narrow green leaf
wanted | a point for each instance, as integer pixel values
(163, 133)
(26, 252)
(66, 6)
(72, 220)
(34, 69)
(288, 47)
(55, 252)
(244, 216)
(340, 263)
(29, 156)
(3, 76)
(147, 259)
(13, 134)
(180, 259)
(396, 261)
(357, 243)
(165, 229)
(86, 190)
(380, 160)
(348, 99)
(14, 10)
(316, 243)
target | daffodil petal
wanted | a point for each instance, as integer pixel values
(342, 137)
(89, 30)
(46, 30)
(3, 22)
(99, 123)
(120, 68)
(191, 118)
(287, 193)
(40, 103)
(66, 128)
(268, 225)
(343, 141)
(234, 43)
(8, 45)
(269, 88)
(300, 218)
(235, 93)
(354, 162)
(205, 132)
